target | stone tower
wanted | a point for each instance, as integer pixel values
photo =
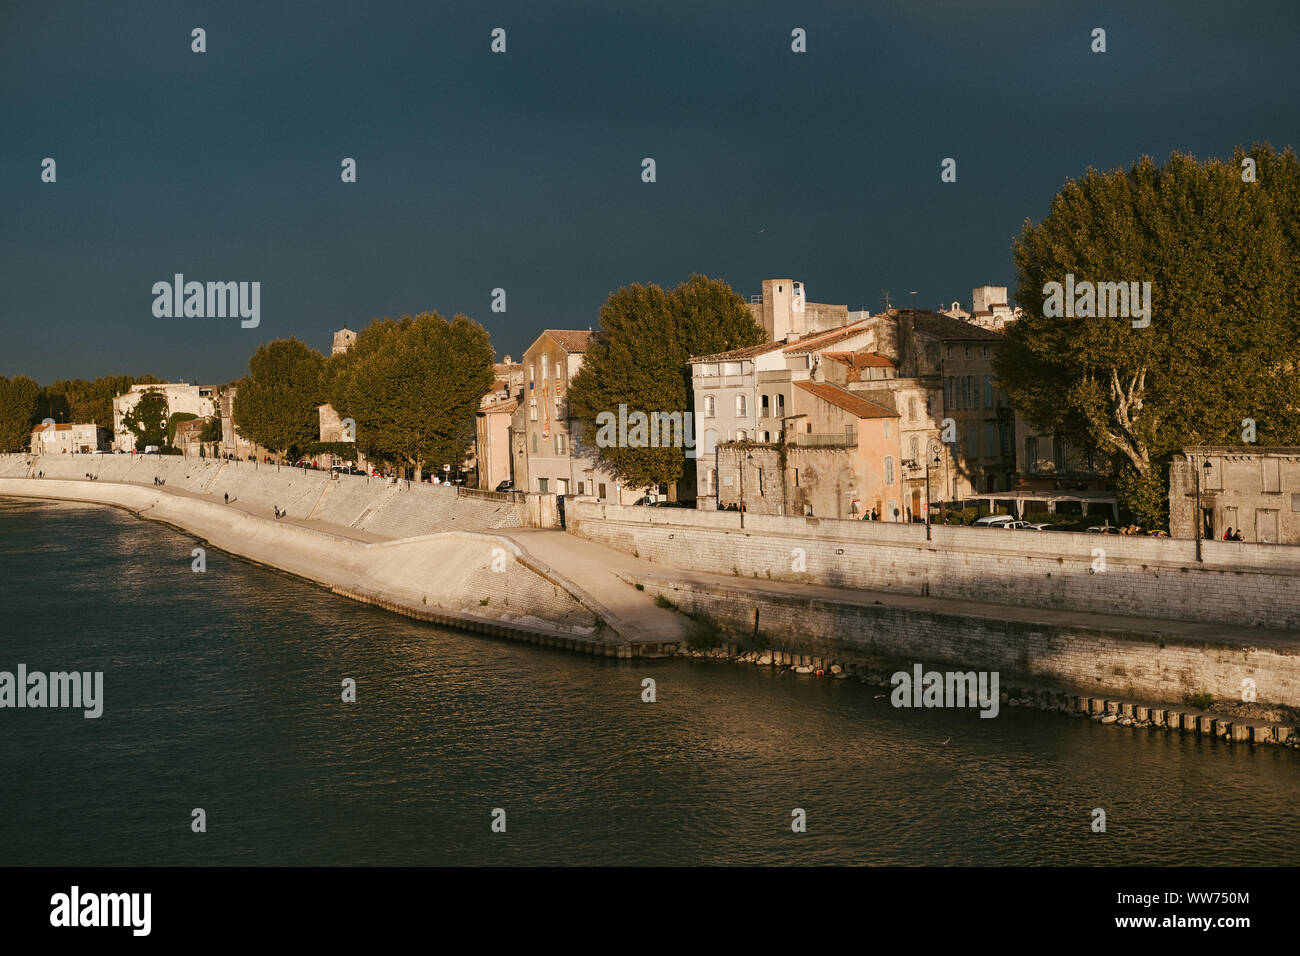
(343, 340)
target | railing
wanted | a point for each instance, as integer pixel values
(825, 439)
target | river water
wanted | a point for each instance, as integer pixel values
(222, 692)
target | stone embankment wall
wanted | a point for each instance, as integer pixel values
(352, 501)
(1094, 660)
(1237, 584)
(452, 571)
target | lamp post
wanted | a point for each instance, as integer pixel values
(1200, 520)
(927, 483)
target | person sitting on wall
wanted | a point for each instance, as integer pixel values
(1227, 535)
(1238, 536)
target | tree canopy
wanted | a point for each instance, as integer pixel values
(79, 401)
(277, 403)
(1222, 254)
(18, 397)
(639, 359)
(412, 386)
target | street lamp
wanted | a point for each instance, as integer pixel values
(927, 482)
(1200, 520)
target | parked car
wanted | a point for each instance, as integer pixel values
(1020, 526)
(1103, 529)
(506, 485)
(151, 449)
(993, 521)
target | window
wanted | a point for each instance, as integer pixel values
(947, 392)
(1007, 436)
(760, 482)
(558, 416)
(559, 443)
(1058, 453)
(532, 409)
(543, 485)
(796, 484)
(1031, 454)
(914, 446)
(972, 441)
(581, 487)
(972, 392)
(780, 406)
(730, 368)
(889, 469)
(742, 408)
(531, 378)
(886, 423)
(988, 391)
(764, 406)
(990, 440)
(534, 443)
(929, 406)
(546, 368)
(968, 351)
(1272, 477)
(911, 409)
(950, 351)
(601, 490)
(710, 406)
(741, 435)
(984, 352)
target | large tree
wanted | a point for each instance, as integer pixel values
(412, 386)
(147, 421)
(276, 403)
(1222, 254)
(18, 396)
(639, 359)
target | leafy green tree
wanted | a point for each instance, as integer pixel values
(639, 359)
(412, 386)
(276, 403)
(18, 398)
(1223, 259)
(147, 421)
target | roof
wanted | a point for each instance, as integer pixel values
(946, 327)
(57, 427)
(847, 400)
(861, 359)
(736, 355)
(820, 340)
(574, 341)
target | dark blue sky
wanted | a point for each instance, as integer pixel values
(522, 170)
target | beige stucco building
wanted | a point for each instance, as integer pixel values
(1252, 490)
(69, 439)
(197, 400)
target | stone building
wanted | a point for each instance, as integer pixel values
(549, 454)
(198, 400)
(70, 439)
(989, 308)
(1252, 490)
(839, 458)
(492, 455)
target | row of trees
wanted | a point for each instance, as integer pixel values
(1220, 243)
(24, 404)
(411, 386)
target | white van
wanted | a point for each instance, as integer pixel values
(993, 521)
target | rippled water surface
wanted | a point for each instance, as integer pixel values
(222, 691)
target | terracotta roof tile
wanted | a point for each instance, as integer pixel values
(847, 400)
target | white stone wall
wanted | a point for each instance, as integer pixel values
(1240, 585)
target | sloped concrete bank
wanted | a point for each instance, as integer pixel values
(479, 582)
(1114, 677)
